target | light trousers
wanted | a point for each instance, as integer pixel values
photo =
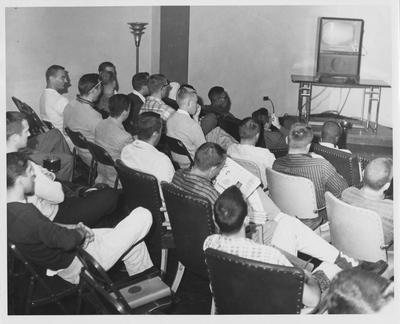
(110, 244)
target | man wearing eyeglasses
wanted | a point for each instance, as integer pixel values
(159, 87)
(80, 114)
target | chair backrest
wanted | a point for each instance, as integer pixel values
(252, 167)
(142, 189)
(294, 195)
(355, 231)
(191, 221)
(36, 281)
(94, 276)
(36, 126)
(100, 154)
(230, 125)
(346, 164)
(243, 286)
(77, 138)
(279, 152)
(176, 146)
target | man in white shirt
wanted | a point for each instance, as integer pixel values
(49, 195)
(249, 131)
(330, 135)
(142, 154)
(182, 126)
(52, 103)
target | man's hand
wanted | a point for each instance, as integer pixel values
(197, 113)
(87, 233)
(275, 121)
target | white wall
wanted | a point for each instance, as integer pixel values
(76, 38)
(252, 51)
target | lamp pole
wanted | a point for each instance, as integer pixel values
(137, 29)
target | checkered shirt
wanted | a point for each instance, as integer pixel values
(158, 106)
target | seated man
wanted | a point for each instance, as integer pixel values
(377, 177)
(49, 196)
(272, 135)
(53, 246)
(249, 131)
(281, 230)
(142, 154)
(220, 103)
(181, 125)
(158, 87)
(330, 135)
(299, 162)
(137, 98)
(42, 146)
(52, 103)
(111, 135)
(80, 114)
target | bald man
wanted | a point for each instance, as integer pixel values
(330, 135)
(377, 177)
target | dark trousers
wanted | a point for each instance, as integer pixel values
(90, 210)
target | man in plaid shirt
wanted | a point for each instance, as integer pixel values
(158, 86)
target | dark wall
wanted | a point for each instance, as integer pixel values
(174, 42)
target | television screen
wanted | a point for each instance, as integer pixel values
(340, 35)
(339, 47)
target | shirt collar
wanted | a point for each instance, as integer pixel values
(85, 101)
(328, 144)
(183, 112)
(140, 143)
(139, 95)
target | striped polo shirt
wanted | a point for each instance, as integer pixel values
(319, 171)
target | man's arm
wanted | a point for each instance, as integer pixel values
(335, 182)
(45, 187)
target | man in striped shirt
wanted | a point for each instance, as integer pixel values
(377, 177)
(299, 162)
(158, 86)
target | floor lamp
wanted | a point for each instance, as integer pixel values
(137, 29)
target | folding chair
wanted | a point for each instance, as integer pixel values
(142, 189)
(100, 155)
(176, 146)
(144, 293)
(43, 290)
(243, 286)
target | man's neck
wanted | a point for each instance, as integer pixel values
(371, 193)
(200, 173)
(240, 234)
(248, 142)
(298, 151)
(156, 95)
(11, 149)
(49, 86)
(327, 140)
(15, 195)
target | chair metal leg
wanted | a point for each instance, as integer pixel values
(164, 258)
(212, 307)
(178, 277)
(28, 301)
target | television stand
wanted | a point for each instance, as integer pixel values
(372, 93)
(337, 79)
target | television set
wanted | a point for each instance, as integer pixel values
(339, 49)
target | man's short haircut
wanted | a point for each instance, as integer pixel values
(14, 123)
(215, 92)
(248, 128)
(52, 70)
(147, 123)
(209, 155)
(17, 164)
(330, 130)
(261, 115)
(104, 65)
(356, 291)
(156, 82)
(87, 82)
(189, 86)
(230, 210)
(117, 104)
(184, 93)
(378, 173)
(300, 135)
(140, 80)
